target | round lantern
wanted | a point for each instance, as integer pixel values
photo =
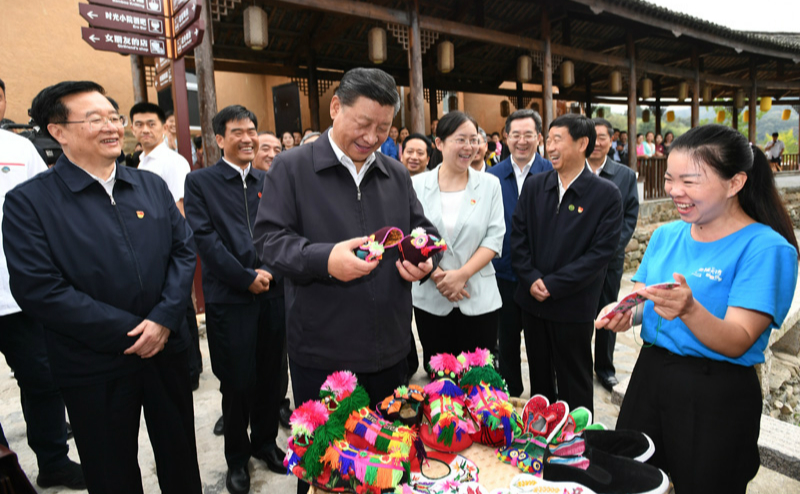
(720, 116)
(746, 115)
(787, 113)
(738, 98)
(766, 103)
(646, 116)
(683, 91)
(706, 94)
(377, 45)
(452, 103)
(505, 108)
(447, 57)
(524, 68)
(647, 88)
(615, 81)
(670, 116)
(567, 74)
(256, 23)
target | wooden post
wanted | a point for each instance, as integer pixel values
(695, 89)
(180, 97)
(433, 105)
(547, 79)
(589, 109)
(139, 81)
(520, 105)
(751, 126)
(632, 159)
(735, 118)
(658, 105)
(313, 90)
(417, 99)
(206, 91)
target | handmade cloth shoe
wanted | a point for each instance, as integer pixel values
(385, 238)
(449, 421)
(524, 483)
(487, 399)
(524, 453)
(459, 468)
(605, 473)
(576, 422)
(404, 405)
(419, 246)
(629, 444)
(547, 421)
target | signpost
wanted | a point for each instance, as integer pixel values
(156, 7)
(164, 79)
(189, 38)
(121, 20)
(186, 16)
(127, 43)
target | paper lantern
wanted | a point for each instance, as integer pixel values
(746, 115)
(670, 116)
(720, 116)
(738, 98)
(452, 103)
(683, 91)
(567, 74)
(505, 108)
(707, 94)
(615, 81)
(647, 88)
(787, 113)
(766, 103)
(377, 45)
(524, 68)
(447, 57)
(256, 28)
(646, 116)
(601, 113)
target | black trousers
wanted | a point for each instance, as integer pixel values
(195, 357)
(704, 417)
(105, 419)
(560, 360)
(378, 385)
(604, 340)
(455, 332)
(245, 342)
(509, 334)
(23, 344)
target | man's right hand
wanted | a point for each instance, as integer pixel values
(261, 283)
(346, 266)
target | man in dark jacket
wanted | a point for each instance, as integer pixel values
(99, 254)
(319, 203)
(564, 232)
(245, 323)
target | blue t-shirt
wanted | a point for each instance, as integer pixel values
(389, 148)
(754, 268)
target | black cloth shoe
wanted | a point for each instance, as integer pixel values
(273, 457)
(69, 431)
(219, 427)
(284, 414)
(195, 382)
(238, 480)
(69, 476)
(626, 443)
(609, 382)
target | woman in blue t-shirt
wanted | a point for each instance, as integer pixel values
(694, 390)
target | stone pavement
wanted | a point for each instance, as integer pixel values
(210, 447)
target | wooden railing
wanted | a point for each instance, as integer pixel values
(651, 174)
(790, 162)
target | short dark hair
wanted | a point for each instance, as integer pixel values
(145, 107)
(373, 84)
(623, 132)
(231, 113)
(774, 134)
(169, 113)
(615, 130)
(428, 145)
(113, 102)
(3, 86)
(451, 122)
(496, 134)
(198, 140)
(524, 113)
(47, 107)
(605, 123)
(267, 133)
(578, 126)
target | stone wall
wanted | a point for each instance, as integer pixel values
(791, 198)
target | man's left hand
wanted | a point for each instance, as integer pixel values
(412, 273)
(152, 339)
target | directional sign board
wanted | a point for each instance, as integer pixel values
(161, 63)
(190, 38)
(155, 7)
(122, 20)
(128, 43)
(186, 16)
(164, 79)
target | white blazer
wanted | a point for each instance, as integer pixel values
(480, 224)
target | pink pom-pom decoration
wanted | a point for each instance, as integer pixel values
(339, 385)
(445, 362)
(307, 417)
(479, 358)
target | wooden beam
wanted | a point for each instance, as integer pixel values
(752, 114)
(206, 91)
(358, 9)
(139, 80)
(547, 79)
(416, 110)
(695, 89)
(657, 84)
(632, 158)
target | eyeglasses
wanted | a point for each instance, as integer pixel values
(514, 136)
(461, 141)
(97, 123)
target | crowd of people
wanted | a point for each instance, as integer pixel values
(99, 260)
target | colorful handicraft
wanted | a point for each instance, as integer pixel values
(405, 405)
(487, 399)
(419, 246)
(460, 470)
(450, 423)
(385, 238)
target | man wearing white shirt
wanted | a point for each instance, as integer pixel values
(774, 151)
(22, 339)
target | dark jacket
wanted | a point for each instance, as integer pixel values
(90, 269)
(625, 180)
(310, 202)
(222, 211)
(567, 246)
(508, 185)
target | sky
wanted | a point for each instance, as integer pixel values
(764, 16)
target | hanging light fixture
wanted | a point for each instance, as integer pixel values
(738, 98)
(787, 114)
(766, 103)
(647, 88)
(524, 68)
(377, 45)
(683, 91)
(746, 115)
(615, 81)
(646, 116)
(707, 94)
(720, 116)
(446, 57)
(452, 102)
(505, 108)
(567, 74)
(256, 28)
(601, 112)
(670, 116)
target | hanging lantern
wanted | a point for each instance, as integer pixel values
(647, 88)
(670, 116)
(601, 113)
(683, 91)
(646, 116)
(615, 81)
(377, 45)
(524, 68)
(567, 74)
(746, 115)
(738, 98)
(505, 108)
(766, 103)
(706, 94)
(256, 28)
(447, 57)
(452, 102)
(787, 113)
(720, 116)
